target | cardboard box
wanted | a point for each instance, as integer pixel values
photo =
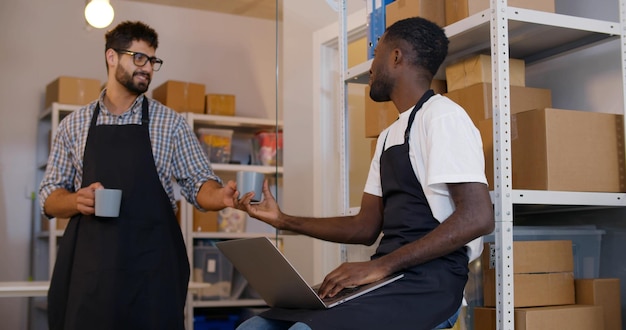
(181, 96)
(220, 104)
(562, 150)
(432, 10)
(570, 317)
(61, 223)
(531, 290)
(204, 221)
(457, 10)
(478, 103)
(543, 273)
(477, 69)
(72, 90)
(542, 256)
(603, 292)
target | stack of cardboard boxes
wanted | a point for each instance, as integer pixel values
(551, 149)
(546, 295)
(190, 97)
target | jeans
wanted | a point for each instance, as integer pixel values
(260, 323)
(449, 323)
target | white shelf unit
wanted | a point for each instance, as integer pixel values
(504, 32)
(244, 129)
(48, 124)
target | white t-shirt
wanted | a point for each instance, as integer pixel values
(444, 147)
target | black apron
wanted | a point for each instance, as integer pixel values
(129, 272)
(429, 293)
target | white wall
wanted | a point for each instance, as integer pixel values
(304, 192)
(41, 40)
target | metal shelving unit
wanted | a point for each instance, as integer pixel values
(504, 32)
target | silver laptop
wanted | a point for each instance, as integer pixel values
(277, 281)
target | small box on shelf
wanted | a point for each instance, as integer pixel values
(181, 96)
(477, 69)
(204, 221)
(604, 292)
(72, 90)
(220, 104)
(432, 10)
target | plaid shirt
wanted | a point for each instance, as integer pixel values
(176, 150)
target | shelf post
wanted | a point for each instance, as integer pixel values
(344, 163)
(622, 20)
(503, 201)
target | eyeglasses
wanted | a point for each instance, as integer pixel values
(140, 59)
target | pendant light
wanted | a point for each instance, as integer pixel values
(99, 13)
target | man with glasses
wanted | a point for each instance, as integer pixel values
(131, 271)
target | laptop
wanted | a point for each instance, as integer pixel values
(278, 282)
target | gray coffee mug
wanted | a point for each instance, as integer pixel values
(251, 181)
(108, 202)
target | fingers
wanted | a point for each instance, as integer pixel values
(86, 197)
(333, 283)
(232, 185)
(242, 203)
(267, 194)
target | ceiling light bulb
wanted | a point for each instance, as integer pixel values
(99, 13)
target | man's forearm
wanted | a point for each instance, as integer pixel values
(61, 203)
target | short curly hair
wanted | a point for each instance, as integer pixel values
(126, 32)
(428, 41)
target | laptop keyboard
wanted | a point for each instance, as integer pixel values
(344, 292)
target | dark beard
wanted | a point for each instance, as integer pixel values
(126, 80)
(380, 90)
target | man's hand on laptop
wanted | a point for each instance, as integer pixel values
(351, 274)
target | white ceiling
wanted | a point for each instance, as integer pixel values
(253, 8)
(317, 12)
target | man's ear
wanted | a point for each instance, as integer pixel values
(111, 57)
(396, 56)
